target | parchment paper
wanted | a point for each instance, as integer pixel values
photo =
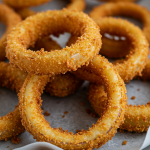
(77, 118)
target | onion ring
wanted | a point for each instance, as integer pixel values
(137, 118)
(10, 21)
(24, 3)
(125, 9)
(69, 58)
(98, 134)
(135, 62)
(10, 125)
(78, 5)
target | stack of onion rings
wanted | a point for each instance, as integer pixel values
(126, 9)
(10, 21)
(98, 134)
(137, 118)
(78, 5)
(43, 24)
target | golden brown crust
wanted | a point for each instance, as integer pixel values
(98, 134)
(126, 9)
(78, 5)
(10, 125)
(43, 24)
(24, 3)
(10, 21)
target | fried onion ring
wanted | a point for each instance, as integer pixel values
(126, 9)
(78, 5)
(10, 125)
(139, 121)
(24, 3)
(98, 134)
(10, 21)
(135, 62)
(43, 24)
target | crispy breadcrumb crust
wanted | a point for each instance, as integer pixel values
(24, 3)
(98, 134)
(63, 85)
(10, 21)
(126, 9)
(10, 125)
(53, 22)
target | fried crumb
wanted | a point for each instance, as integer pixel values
(82, 104)
(15, 140)
(87, 125)
(121, 131)
(91, 113)
(66, 112)
(63, 116)
(78, 131)
(138, 89)
(124, 142)
(133, 97)
(7, 146)
(47, 113)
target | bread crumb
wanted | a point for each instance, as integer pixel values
(133, 97)
(124, 142)
(47, 113)
(138, 89)
(66, 112)
(87, 125)
(15, 140)
(7, 146)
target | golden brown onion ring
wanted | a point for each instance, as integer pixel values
(10, 125)
(43, 24)
(10, 21)
(126, 9)
(137, 118)
(135, 62)
(24, 3)
(98, 134)
(78, 5)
